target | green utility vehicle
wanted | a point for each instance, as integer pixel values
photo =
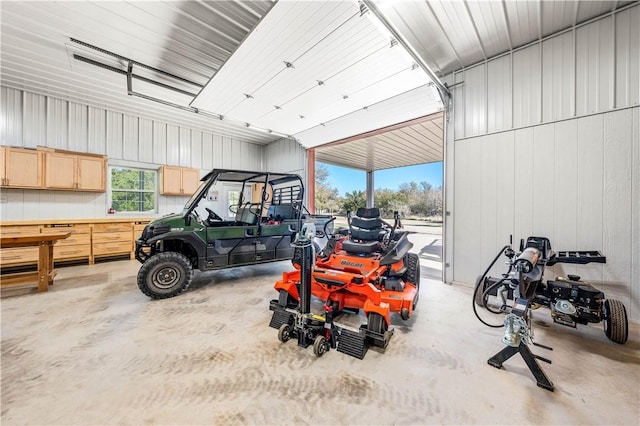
(265, 218)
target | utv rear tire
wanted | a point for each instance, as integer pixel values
(616, 325)
(412, 275)
(376, 323)
(165, 275)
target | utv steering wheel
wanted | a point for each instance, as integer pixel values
(212, 215)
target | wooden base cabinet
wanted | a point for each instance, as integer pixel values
(89, 239)
(76, 247)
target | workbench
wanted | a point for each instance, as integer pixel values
(45, 273)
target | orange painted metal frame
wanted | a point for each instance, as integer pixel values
(353, 282)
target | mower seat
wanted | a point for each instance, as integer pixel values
(366, 230)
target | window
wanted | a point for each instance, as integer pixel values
(234, 197)
(133, 190)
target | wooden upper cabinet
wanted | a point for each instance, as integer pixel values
(74, 171)
(178, 180)
(21, 168)
(92, 173)
(61, 170)
(190, 179)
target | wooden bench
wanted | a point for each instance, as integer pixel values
(44, 276)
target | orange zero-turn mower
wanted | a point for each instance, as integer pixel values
(369, 268)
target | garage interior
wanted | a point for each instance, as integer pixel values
(534, 107)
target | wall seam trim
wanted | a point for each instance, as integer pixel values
(552, 122)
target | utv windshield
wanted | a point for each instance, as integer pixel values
(195, 197)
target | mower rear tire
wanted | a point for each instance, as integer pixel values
(376, 323)
(165, 275)
(616, 325)
(284, 333)
(320, 345)
(412, 275)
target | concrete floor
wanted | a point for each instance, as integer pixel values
(95, 350)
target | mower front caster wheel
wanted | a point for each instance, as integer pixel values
(284, 333)
(404, 314)
(320, 346)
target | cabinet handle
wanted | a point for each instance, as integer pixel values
(6, 181)
(10, 257)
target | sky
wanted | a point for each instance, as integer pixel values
(348, 180)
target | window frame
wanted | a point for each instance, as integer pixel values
(155, 192)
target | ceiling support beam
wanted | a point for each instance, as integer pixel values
(370, 190)
(311, 180)
(445, 94)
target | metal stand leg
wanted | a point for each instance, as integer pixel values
(541, 378)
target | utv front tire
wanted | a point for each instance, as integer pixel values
(616, 325)
(165, 275)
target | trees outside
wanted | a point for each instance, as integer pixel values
(412, 199)
(132, 190)
(327, 197)
(354, 200)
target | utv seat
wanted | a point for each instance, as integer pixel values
(245, 214)
(281, 212)
(366, 229)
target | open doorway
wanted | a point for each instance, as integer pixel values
(415, 192)
(402, 168)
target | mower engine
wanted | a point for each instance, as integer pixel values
(572, 301)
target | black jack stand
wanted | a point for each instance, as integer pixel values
(529, 358)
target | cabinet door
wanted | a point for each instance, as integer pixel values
(2, 159)
(171, 180)
(23, 168)
(60, 170)
(91, 173)
(190, 179)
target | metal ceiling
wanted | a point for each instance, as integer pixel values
(194, 39)
(189, 39)
(451, 35)
(417, 141)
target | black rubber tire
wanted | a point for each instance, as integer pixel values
(376, 322)
(284, 333)
(404, 314)
(165, 275)
(479, 300)
(319, 345)
(616, 325)
(286, 300)
(412, 275)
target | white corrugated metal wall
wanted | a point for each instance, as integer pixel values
(287, 156)
(546, 141)
(29, 120)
